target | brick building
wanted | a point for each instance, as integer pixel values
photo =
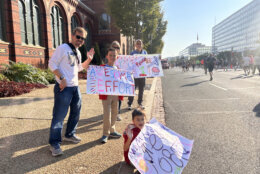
(30, 30)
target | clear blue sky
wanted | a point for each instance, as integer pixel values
(186, 18)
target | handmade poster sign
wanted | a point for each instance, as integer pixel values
(159, 150)
(109, 81)
(148, 65)
(141, 65)
(125, 62)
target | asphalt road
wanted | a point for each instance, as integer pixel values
(221, 116)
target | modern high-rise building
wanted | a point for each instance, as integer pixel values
(195, 49)
(240, 31)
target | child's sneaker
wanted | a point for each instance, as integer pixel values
(115, 135)
(104, 139)
(56, 152)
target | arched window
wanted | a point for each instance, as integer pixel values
(57, 23)
(74, 22)
(22, 21)
(36, 25)
(88, 41)
(2, 36)
(104, 22)
(30, 24)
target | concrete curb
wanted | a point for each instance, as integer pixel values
(149, 101)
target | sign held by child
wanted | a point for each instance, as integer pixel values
(158, 150)
(109, 81)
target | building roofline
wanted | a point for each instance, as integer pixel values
(84, 6)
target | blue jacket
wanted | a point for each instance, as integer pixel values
(136, 52)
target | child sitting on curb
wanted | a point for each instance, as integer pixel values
(132, 130)
(110, 104)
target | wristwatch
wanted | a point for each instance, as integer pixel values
(61, 77)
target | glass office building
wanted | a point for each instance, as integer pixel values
(194, 50)
(240, 31)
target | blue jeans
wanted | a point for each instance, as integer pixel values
(69, 97)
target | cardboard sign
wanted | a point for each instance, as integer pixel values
(109, 81)
(141, 65)
(159, 150)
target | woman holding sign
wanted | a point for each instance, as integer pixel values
(139, 82)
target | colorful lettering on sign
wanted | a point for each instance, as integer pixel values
(159, 150)
(109, 81)
(141, 62)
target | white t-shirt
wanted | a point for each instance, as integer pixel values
(66, 62)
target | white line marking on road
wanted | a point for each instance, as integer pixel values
(218, 87)
(206, 100)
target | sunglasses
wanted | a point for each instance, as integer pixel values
(79, 37)
(116, 48)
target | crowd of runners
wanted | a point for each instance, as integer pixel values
(249, 63)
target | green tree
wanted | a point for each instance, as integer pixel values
(156, 44)
(142, 19)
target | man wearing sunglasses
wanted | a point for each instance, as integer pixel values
(65, 64)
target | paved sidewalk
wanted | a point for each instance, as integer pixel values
(25, 122)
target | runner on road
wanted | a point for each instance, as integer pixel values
(246, 62)
(211, 62)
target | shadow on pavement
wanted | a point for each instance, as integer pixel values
(121, 168)
(113, 169)
(257, 110)
(17, 156)
(241, 76)
(192, 77)
(194, 84)
(21, 101)
(124, 110)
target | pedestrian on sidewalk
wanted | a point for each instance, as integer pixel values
(115, 44)
(65, 64)
(132, 130)
(139, 82)
(110, 104)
